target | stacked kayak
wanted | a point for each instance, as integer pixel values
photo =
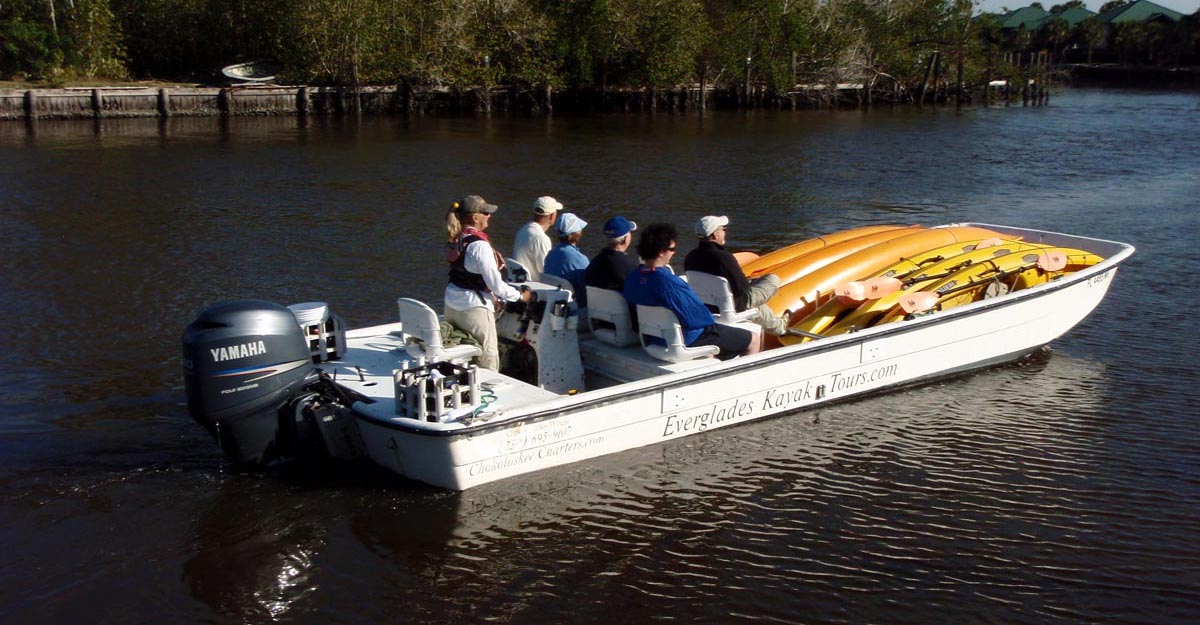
(864, 277)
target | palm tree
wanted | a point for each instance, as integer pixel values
(1056, 31)
(1091, 33)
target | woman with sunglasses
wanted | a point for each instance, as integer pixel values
(653, 284)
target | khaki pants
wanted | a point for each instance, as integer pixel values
(480, 323)
(762, 289)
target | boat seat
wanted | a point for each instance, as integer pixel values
(609, 318)
(565, 284)
(661, 323)
(516, 272)
(629, 363)
(418, 320)
(715, 293)
(560, 282)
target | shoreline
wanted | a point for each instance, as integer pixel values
(162, 99)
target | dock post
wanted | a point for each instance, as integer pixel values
(339, 102)
(30, 104)
(223, 101)
(97, 103)
(164, 103)
(302, 101)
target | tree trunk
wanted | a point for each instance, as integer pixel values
(958, 89)
(746, 85)
(925, 82)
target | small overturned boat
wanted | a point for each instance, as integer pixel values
(254, 71)
(286, 384)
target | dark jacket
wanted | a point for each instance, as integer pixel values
(609, 269)
(710, 257)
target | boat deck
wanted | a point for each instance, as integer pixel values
(372, 355)
(626, 364)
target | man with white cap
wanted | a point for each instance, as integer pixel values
(565, 260)
(612, 265)
(710, 256)
(532, 243)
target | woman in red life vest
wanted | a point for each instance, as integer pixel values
(476, 288)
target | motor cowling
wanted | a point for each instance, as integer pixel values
(245, 363)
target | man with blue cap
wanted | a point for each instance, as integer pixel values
(565, 260)
(609, 268)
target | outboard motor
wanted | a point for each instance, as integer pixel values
(251, 382)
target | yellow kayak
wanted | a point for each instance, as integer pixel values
(867, 313)
(805, 264)
(908, 273)
(766, 262)
(988, 278)
(800, 295)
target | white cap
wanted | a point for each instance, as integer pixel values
(709, 224)
(568, 223)
(547, 205)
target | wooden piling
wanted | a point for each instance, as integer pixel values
(302, 101)
(97, 103)
(30, 104)
(164, 103)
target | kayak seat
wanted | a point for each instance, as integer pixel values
(417, 320)
(608, 316)
(715, 293)
(660, 323)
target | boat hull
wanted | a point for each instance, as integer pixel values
(785, 380)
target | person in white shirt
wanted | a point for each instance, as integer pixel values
(532, 243)
(476, 288)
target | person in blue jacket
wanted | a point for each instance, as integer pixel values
(565, 260)
(653, 284)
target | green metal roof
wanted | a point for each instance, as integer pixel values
(1025, 17)
(1071, 16)
(1139, 11)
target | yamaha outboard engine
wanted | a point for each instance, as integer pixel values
(249, 375)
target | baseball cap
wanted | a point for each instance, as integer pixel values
(546, 205)
(474, 204)
(568, 223)
(709, 224)
(618, 227)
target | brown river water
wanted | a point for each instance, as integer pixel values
(1059, 489)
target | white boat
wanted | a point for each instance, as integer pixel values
(254, 71)
(410, 410)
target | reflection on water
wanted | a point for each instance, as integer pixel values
(252, 561)
(1059, 489)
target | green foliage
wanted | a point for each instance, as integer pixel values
(1072, 4)
(666, 39)
(765, 45)
(27, 47)
(95, 48)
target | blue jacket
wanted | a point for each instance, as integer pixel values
(663, 288)
(566, 261)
